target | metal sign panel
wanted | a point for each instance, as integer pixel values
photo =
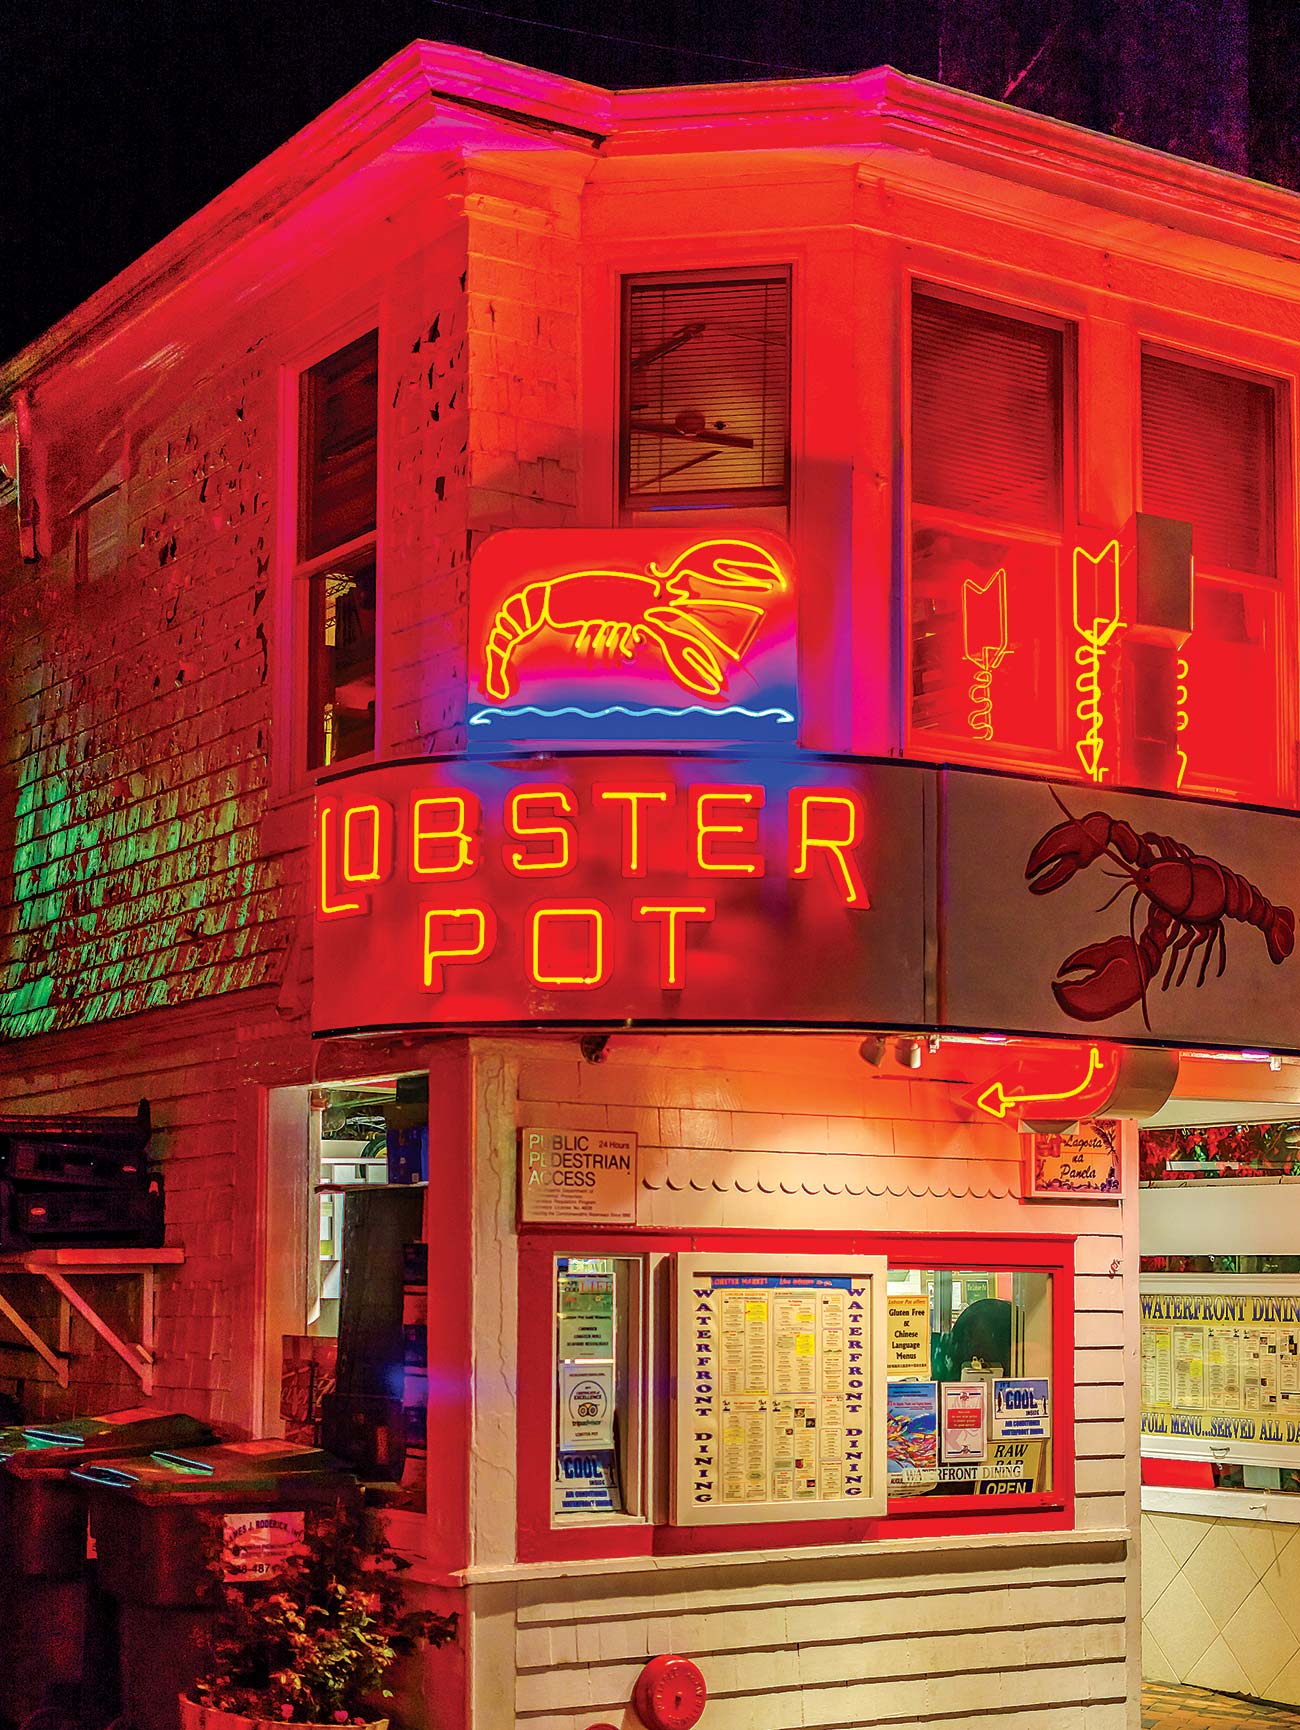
(1073, 909)
(650, 889)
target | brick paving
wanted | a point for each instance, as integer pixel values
(1166, 1708)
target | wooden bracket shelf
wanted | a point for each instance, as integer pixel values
(54, 1266)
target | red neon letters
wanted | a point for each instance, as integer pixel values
(595, 836)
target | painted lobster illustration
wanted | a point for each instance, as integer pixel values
(693, 611)
(1189, 897)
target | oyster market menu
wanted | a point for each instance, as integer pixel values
(1222, 1366)
(777, 1386)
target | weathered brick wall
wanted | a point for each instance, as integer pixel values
(524, 291)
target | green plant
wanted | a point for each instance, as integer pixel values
(315, 1644)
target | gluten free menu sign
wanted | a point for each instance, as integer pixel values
(777, 1364)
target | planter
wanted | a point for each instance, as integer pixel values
(197, 1717)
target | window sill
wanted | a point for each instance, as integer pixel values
(810, 1553)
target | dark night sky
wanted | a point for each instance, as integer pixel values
(121, 119)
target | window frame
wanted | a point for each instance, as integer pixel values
(292, 771)
(720, 499)
(539, 1539)
(1056, 757)
(1280, 588)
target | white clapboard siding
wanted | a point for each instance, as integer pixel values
(955, 1638)
(876, 1640)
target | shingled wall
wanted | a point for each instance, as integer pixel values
(154, 907)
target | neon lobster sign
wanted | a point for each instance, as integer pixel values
(631, 633)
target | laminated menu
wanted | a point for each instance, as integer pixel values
(778, 1402)
(1221, 1366)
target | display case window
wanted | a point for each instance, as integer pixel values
(970, 1406)
(596, 1407)
(714, 1392)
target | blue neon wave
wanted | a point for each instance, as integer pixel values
(485, 717)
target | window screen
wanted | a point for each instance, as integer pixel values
(1208, 458)
(987, 414)
(706, 391)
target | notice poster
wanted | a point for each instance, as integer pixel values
(1222, 1384)
(1022, 1409)
(586, 1406)
(912, 1426)
(963, 1410)
(774, 1372)
(908, 1337)
(585, 1311)
(1189, 1368)
(1233, 1365)
(1157, 1366)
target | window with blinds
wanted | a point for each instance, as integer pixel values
(1208, 458)
(705, 412)
(988, 414)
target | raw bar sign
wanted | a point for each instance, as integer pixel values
(654, 889)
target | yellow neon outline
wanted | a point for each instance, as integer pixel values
(632, 826)
(695, 656)
(326, 909)
(1003, 1101)
(519, 861)
(437, 960)
(807, 797)
(750, 796)
(1088, 656)
(645, 910)
(987, 657)
(466, 860)
(567, 911)
(371, 876)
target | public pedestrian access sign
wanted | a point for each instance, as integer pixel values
(579, 1176)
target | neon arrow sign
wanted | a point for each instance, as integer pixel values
(997, 1101)
(1096, 619)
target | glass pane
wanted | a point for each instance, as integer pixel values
(595, 1470)
(984, 636)
(1228, 691)
(986, 414)
(706, 410)
(1207, 459)
(970, 1388)
(340, 418)
(342, 634)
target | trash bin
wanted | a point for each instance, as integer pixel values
(151, 1522)
(43, 1565)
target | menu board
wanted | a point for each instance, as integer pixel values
(1221, 1366)
(776, 1412)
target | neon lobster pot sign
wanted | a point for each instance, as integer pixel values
(605, 889)
(669, 636)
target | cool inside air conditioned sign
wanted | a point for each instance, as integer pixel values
(596, 889)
